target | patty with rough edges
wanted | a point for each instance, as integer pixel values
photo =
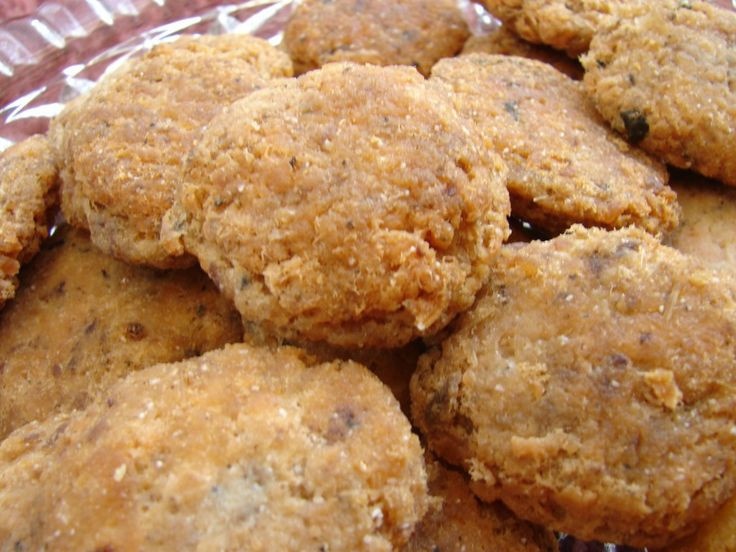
(460, 522)
(121, 146)
(708, 222)
(28, 196)
(82, 320)
(504, 42)
(239, 449)
(591, 387)
(380, 32)
(667, 81)
(352, 205)
(563, 24)
(565, 165)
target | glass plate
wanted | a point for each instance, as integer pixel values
(59, 52)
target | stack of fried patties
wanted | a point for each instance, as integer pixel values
(366, 356)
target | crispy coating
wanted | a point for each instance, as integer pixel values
(394, 367)
(565, 165)
(380, 32)
(121, 146)
(717, 534)
(352, 205)
(502, 41)
(28, 196)
(82, 320)
(667, 81)
(461, 522)
(708, 222)
(591, 387)
(239, 449)
(563, 24)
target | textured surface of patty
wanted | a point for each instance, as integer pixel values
(28, 195)
(591, 388)
(459, 521)
(504, 42)
(708, 222)
(563, 24)
(717, 534)
(82, 320)
(352, 205)
(239, 449)
(565, 165)
(394, 367)
(381, 32)
(121, 146)
(667, 81)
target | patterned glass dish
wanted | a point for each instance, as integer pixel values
(60, 51)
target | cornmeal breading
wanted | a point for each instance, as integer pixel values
(504, 42)
(717, 534)
(667, 81)
(563, 24)
(565, 164)
(121, 146)
(352, 205)
(590, 388)
(239, 449)
(459, 521)
(708, 223)
(82, 320)
(28, 196)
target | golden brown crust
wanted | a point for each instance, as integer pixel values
(239, 449)
(665, 79)
(381, 32)
(717, 534)
(461, 522)
(82, 320)
(563, 24)
(565, 165)
(322, 206)
(28, 196)
(708, 222)
(502, 41)
(591, 387)
(394, 367)
(121, 146)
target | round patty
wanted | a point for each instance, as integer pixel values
(121, 146)
(667, 81)
(565, 164)
(352, 205)
(239, 449)
(591, 387)
(381, 32)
